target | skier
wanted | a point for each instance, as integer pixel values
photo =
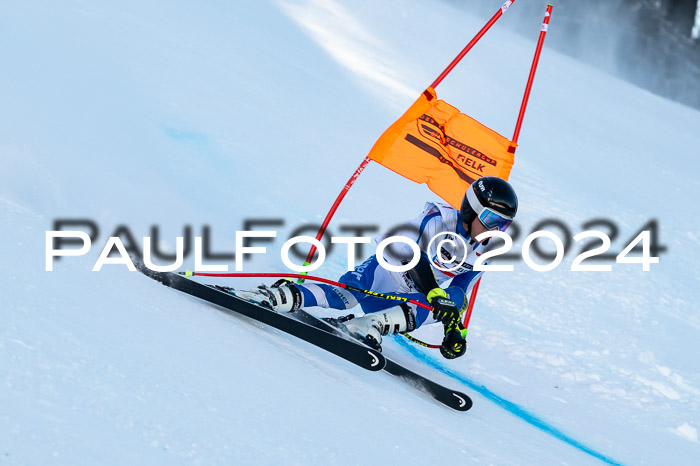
(490, 203)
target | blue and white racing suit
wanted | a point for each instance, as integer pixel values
(451, 253)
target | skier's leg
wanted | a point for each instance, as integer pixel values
(382, 316)
(327, 296)
(287, 296)
(386, 316)
(370, 277)
(422, 315)
(371, 327)
(366, 276)
(282, 296)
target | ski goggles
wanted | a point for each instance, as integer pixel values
(492, 220)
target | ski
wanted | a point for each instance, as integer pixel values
(351, 351)
(452, 398)
(315, 331)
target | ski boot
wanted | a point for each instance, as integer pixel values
(282, 296)
(371, 327)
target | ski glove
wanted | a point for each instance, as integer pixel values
(454, 344)
(444, 309)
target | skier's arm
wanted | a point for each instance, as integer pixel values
(464, 280)
(423, 276)
(444, 309)
(459, 287)
(454, 344)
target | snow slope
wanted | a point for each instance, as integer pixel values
(174, 114)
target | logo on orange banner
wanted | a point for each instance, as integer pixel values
(434, 143)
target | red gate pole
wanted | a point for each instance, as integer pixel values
(471, 43)
(470, 307)
(516, 134)
(360, 169)
(533, 69)
(334, 207)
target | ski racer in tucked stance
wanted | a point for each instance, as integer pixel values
(490, 203)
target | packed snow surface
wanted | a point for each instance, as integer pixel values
(178, 114)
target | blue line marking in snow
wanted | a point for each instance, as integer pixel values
(509, 406)
(186, 136)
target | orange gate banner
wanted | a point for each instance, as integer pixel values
(434, 143)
